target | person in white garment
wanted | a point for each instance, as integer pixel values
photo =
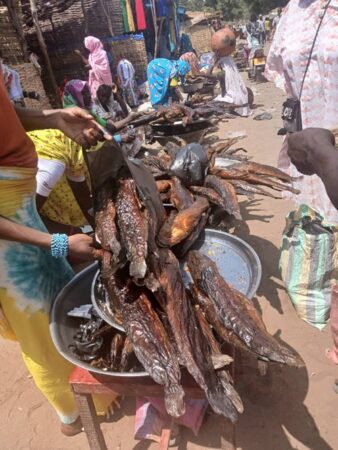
(234, 90)
(126, 76)
(303, 22)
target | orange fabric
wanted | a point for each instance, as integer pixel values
(16, 149)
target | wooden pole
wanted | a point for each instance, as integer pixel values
(83, 7)
(44, 50)
(108, 17)
(13, 9)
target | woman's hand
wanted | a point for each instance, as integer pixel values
(81, 247)
(79, 126)
(78, 52)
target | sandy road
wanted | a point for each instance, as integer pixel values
(287, 409)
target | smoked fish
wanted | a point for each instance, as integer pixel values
(235, 313)
(194, 350)
(210, 194)
(151, 344)
(228, 194)
(178, 226)
(105, 228)
(133, 226)
(244, 188)
(180, 197)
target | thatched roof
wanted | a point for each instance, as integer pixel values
(199, 18)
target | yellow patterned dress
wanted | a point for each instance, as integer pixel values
(61, 205)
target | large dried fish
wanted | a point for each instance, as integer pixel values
(217, 357)
(212, 317)
(178, 226)
(182, 249)
(234, 173)
(151, 344)
(234, 312)
(133, 227)
(105, 228)
(263, 169)
(180, 197)
(194, 350)
(229, 173)
(210, 194)
(228, 194)
(244, 188)
(154, 350)
(265, 181)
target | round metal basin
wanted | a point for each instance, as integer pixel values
(62, 327)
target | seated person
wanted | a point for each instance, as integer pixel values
(109, 103)
(76, 93)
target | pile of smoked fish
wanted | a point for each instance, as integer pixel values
(170, 325)
(221, 186)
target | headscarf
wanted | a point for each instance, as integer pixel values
(192, 60)
(100, 69)
(160, 72)
(72, 94)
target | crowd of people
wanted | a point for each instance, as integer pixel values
(45, 194)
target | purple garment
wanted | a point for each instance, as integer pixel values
(151, 416)
(72, 94)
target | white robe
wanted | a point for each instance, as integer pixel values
(235, 89)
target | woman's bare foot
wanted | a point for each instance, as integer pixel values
(332, 355)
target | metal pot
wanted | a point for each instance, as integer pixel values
(62, 327)
(192, 88)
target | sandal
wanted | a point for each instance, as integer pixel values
(72, 429)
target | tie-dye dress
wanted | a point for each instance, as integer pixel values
(287, 60)
(29, 277)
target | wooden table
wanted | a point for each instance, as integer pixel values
(84, 384)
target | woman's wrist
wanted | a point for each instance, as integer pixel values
(59, 245)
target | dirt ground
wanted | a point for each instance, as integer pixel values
(287, 409)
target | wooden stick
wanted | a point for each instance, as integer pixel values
(34, 13)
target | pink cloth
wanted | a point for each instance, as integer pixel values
(100, 70)
(151, 416)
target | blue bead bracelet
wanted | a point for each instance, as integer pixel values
(59, 245)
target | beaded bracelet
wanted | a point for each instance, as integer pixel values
(59, 245)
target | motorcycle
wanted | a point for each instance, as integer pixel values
(257, 65)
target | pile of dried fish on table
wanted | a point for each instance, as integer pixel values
(222, 185)
(178, 111)
(168, 324)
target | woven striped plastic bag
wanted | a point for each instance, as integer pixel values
(308, 264)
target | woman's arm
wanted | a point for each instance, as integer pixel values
(80, 245)
(82, 195)
(84, 60)
(75, 123)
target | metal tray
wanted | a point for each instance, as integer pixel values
(62, 327)
(237, 262)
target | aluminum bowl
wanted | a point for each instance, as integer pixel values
(62, 327)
